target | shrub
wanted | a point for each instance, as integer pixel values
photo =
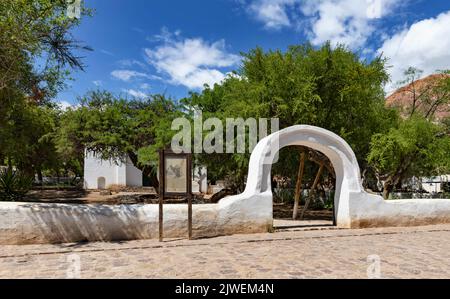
(284, 195)
(13, 185)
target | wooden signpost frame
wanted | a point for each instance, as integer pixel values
(163, 154)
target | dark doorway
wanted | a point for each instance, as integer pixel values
(303, 185)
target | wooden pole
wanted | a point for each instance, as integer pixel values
(189, 191)
(298, 185)
(316, 181)
(161, 193)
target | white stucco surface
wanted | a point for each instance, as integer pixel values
(200, 176)
(434, 184)
(354, 207)
(120, 173)
(251, 211)
(34, 223)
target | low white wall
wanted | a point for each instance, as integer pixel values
(34, 223)
(249, 212)
(373, 211)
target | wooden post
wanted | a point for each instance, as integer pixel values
(316, 181)
(298, 186)
(189, 194)
(161, 193)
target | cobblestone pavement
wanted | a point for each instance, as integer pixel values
(420, 252)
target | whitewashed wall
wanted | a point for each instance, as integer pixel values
(251, 211)
(133, 175)
(200, 179)
(119, 174)
(434, 184)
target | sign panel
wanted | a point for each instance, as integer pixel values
(176, 177)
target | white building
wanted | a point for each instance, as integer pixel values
(434, 184)
(99, 174)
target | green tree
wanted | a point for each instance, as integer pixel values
(32, 31)
(427, 97)
(417, 147)
(37, 53)
(327, 87)
(113, 128)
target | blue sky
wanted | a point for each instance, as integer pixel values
(173, 47)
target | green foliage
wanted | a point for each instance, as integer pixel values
(284, 195)
(327, 87)
(37, 30)
(419, 145)
(26, 136)
(416, 147)
(427, 97)
(13, 184)
(32, 32)
(114, 127)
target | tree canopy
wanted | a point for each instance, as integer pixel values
(417, 145)
(327, 87)
(114, 127)
(37, 53)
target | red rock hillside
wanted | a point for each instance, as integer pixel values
(402, 98)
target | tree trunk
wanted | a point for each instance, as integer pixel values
(9, 163)
(387, 189)
(298, 185)
(311, 193)
(389, 185)
(152, 176)
(39, 175)
(146, 170)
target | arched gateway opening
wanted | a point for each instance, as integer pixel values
(339, 153)
(303, 186)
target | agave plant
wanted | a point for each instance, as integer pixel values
(13, 185)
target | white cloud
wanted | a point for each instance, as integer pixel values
(191, 62)
(106, 52)
(424, 45)
(64, 105)
(144, 86)
(138, 29)
(97, 83)
(339, 21)
(131, 62)
(344, 21)
(127, 75)
(135, 93)
(273, 13)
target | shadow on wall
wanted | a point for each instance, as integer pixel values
(35, 223)
(58, 223)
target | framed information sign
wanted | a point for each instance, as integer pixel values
(175, 180)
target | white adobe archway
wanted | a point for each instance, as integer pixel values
(354, 207)
(348, 178)
(340, 154)
(249, 212)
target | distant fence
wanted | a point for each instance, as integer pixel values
(58, 180)
(417, 195)
(286, 195)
